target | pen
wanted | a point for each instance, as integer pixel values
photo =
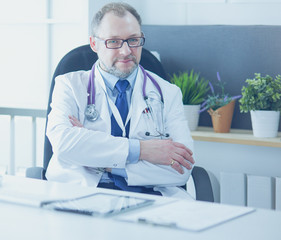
(84, 212)
(146, 111)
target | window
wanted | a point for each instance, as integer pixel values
(35, 35)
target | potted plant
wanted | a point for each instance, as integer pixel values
(194, 89)
(262, 97)
(220, 106)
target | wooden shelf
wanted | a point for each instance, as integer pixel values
(236, 136)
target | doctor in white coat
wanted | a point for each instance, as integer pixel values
(84, 151)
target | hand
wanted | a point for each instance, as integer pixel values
(75, 122)
(166, 152)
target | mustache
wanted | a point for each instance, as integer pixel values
(129, 57)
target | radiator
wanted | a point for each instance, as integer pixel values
(250, 190)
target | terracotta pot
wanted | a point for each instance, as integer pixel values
(222, 117)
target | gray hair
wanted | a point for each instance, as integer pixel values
(119, 9)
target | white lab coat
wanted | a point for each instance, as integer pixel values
(78, 152)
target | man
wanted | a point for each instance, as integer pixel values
(120, 148)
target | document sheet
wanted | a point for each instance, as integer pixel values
(187, 215)
(96, 204)
(21, 197)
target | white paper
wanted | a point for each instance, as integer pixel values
(187, 215)
(30, 199)
(96, 204)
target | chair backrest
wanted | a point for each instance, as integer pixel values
(203, 185)
(83, 58)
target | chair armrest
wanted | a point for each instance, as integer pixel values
(36, 172)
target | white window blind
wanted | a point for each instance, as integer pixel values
(35, 35)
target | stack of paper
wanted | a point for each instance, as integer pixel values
(96, 204)
(30, 199)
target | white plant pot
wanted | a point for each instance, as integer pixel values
(192, 115)
(265, 123)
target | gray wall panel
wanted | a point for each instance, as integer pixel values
(237, 52)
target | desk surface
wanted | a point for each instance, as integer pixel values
(23, 222)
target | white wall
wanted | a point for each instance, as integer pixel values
(203, 12)
(235, 158)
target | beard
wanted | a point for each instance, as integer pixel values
(117, 72)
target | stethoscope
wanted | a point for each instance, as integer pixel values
(92, 114)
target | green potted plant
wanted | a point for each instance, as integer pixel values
(194, 89)
(262, 97)
(220, 106)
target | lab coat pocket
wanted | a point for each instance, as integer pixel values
(146, 128)
(152, 116)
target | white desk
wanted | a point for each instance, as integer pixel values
(23, 222)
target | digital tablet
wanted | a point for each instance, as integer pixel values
(98, 204)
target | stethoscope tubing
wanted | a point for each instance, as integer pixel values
(146, 74)
(91, 86)
(91, 112)
(92, 92)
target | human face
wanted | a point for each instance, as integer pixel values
(123, 61)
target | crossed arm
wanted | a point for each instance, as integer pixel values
(163, 152)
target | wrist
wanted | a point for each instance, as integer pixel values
(143, 149)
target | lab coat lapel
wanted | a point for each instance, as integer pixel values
(82, 97)
(101, 98)
(137, 103)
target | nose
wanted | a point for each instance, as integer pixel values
(125, 49)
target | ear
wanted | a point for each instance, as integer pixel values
(93, 44)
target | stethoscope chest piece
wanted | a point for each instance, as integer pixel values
(91, 113)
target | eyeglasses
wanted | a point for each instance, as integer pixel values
(118, 43)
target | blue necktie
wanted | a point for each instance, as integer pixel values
(122, 105)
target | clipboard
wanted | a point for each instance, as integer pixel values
(98, 204)
(187, 215)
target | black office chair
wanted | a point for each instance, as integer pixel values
(82, 58)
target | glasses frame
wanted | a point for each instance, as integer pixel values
(123, 40)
